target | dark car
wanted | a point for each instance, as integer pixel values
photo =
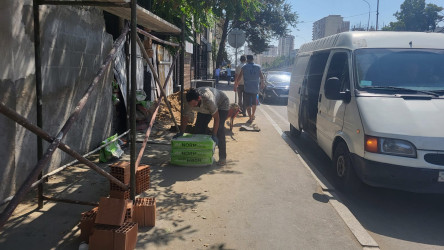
(224, 77)
(277, 84)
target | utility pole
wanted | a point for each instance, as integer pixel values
(368, 21)
(377, 14)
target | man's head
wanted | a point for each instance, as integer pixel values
(193, 97)
(249, 58)
(243, 59)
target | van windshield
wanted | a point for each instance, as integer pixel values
(396, 70)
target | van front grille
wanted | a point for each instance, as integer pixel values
(437, 159)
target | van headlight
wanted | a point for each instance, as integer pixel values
(390, 146)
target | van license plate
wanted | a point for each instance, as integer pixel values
(441, 176)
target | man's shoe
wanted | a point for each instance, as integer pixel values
(222, 162)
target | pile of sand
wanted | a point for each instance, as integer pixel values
(163, 115)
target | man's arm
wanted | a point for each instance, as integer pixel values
(237, 79)
(183, 124)
(216, 123)
(262, 78)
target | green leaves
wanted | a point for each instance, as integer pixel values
(415, 15)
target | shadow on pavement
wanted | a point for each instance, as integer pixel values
(406, 216)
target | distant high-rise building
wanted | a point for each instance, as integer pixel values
(286, 44)
(271, 51)
(330, 25)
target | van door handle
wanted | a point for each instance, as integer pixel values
(320, 98)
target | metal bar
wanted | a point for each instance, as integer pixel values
(70, 201)
(53, 146)
(156, 38)
(153, 117)
(157, 81)
(38, 91)
(133, 99)
(65, 148)
(128, 96)
(182, 67)
(85, 3)
(71, 163)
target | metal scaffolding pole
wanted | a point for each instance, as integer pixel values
(133, 99)
(38, 91)
(7, 212)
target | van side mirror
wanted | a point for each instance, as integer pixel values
(332, 90)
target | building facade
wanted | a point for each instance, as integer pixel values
(330, 25)
(286, 44)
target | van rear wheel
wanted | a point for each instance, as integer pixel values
(294, 131)
(346, 176)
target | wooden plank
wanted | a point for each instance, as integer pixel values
(144, 18)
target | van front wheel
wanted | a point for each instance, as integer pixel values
(346, 175)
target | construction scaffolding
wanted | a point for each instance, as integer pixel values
(125, 9)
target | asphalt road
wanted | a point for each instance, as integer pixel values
(395, 219)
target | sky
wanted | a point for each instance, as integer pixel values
(355, 11)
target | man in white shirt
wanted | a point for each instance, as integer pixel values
(209, 103)
(240, 87)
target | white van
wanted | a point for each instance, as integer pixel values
(374, 102)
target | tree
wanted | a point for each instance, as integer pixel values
(260, 19)
(271, 21)
(415, 15)
(197, 13)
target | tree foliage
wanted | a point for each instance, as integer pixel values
(270, 21)
(262, 20)
(416, 15)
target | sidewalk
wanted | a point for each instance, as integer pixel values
(262, 199)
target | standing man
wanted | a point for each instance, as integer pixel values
(209, 103)
(252, 75)
(240, 88)
(217, 74)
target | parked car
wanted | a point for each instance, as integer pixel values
(223, 75)
(277, 84)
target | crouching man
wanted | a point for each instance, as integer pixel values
(208, 103)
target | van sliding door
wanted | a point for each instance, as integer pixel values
(310, 91)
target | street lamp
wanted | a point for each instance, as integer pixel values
(368, 21)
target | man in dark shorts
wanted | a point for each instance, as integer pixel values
(252, 76)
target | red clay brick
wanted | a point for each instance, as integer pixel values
(125, 237)
(124, 195)
(129, 211)
(113, 237)
(87, 224)
(121, 170)
(102, 238)
(145, 211)
(142, 178)
(111, 211)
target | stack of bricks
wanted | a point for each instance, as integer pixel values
(114, 238)
(113, 228)
(87, 224)
(142, 178)
(145, 212)
(121, 171)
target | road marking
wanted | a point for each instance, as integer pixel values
(361, 234)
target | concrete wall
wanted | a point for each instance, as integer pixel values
(74, 44)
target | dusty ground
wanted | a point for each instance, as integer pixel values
(256, 201)
(55, 225)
